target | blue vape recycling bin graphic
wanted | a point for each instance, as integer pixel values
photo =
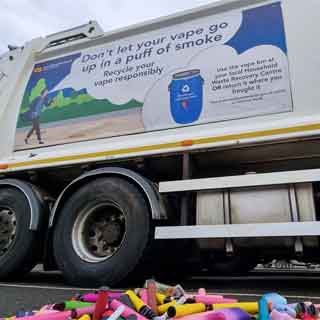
(186, 96)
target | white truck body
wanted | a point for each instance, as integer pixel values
(302, 121)
(207, 120)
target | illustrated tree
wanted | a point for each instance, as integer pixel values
(37, 89)
(83, 98)
(60, 99)
(25, 103)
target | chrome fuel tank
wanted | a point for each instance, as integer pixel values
(272, 204)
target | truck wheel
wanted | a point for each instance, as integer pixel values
(18, 244)
(102, 232)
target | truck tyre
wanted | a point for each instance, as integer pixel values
(18, 244)
(102, 232)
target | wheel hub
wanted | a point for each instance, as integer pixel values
(7, 229)
(111, 233)
(98, 232)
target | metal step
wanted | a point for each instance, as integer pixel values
(289, 229)
(246, 180)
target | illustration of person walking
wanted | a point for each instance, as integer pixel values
(35, 110)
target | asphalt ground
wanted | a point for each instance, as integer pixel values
(40, 288)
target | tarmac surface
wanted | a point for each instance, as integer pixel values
(40, 288)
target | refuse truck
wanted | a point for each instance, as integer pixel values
(189, 143)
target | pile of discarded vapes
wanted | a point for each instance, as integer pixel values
(157, 301)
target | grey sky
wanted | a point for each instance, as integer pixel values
(23, 20)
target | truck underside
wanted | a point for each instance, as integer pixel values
(101, 231)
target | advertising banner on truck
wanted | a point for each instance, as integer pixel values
(215, 68)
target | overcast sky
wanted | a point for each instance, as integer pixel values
(23, 20)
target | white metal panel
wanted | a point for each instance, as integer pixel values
(10, 99)
(156, 23)
(250, 180)
(290, 229)
(301, 30)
